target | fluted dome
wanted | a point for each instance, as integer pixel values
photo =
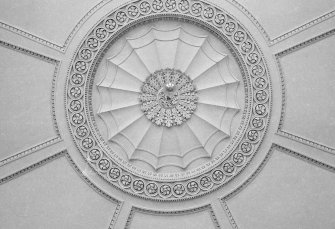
(206, 97)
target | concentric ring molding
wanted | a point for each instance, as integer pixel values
(257, 85)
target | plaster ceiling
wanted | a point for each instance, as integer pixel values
(169, 114)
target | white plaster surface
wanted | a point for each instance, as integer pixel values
(25, 114)
(288, 193)
(279, 17)
(310, 89)
(53, 196)
(198, 220)
(52, 20)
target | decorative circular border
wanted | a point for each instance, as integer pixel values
(80, 76)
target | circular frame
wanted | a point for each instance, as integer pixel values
(206, 178)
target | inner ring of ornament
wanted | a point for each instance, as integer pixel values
(169, 100)
(168, 97)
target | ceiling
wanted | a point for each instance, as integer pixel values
(167, 113)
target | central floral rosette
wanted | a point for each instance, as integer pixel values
(168, 97)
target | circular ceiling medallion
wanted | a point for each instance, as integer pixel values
(168, 100)
(168, 97)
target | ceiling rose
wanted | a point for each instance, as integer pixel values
(168, 99)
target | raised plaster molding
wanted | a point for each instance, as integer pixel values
(266, 159)
(52, 101)
(98, 190)
(279, 55)
(160, 43)
(60, 48)
(65, 154)
(208, 208)
(30, 151)
(163, 186)
(288, 34)
(228, 213)
(253, 176)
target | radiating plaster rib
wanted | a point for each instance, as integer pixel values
(56, 139)
(280, 130)
(208, 208)
(273, 148)
(229, 214)
(60, 48)
(58, 155)
(29, 151)
(267, 158)
(305, 149)
(286, 35)
(65, 154)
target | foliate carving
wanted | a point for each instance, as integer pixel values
(157, 5)
(192, 187)
(246, 46)
(152, 188)
(133, 11)
(239, 36)
(219, 19)
(87, 143)
(238, 158)
(94, 154)
(75, 105)
(170, 4)
(92, 43)
(260, 109)
(230, 27)
(165, 190)
(77, 79)
(206, 182)
(246, 147)
(168, 97)
(161, 186)
(183, 5)
(104, 164)
(110, 24)
(114, 173)
(81, 66)
(138, 185)
(196, 8)
(82, 131)
(125, 180)
(208, 13)
(145, 7)
(179, 189)
(77, 118)
(217, 176)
